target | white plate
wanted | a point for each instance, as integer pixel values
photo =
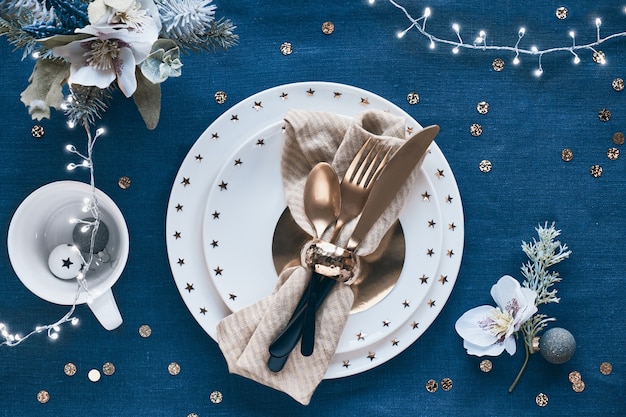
(390, 327)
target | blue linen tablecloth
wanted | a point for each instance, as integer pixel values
(530, 121)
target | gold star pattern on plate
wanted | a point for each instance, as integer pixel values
(214, 244)
(443, 279)
(431, 303)
(409, 130)
(260, 142)
(216, 215)
(215, 136)
(371, 356)
(431, 223)
(284, 96)
(346, 364)
(386, 323)
(450, 252)
(424, 279)
(223, 186)
(439, 173)
(360, 336)
(177, 235)
(430, 252)
(426, 196)
(232, 296)
(414, 325)
(199, 158)
(181, 261)
(189, 287)
(186, 181)
(203, 311)
(234, 118)
(394, 342)
(449, 199)
(451, 226)
(365, 101)
(238, 162)
(218, 270)
(337, 94)
(310, 92)
(406, 303)
(258, 105)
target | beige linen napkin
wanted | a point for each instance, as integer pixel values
(244, 336)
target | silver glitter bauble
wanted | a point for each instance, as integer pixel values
(557, 345)
(82, 235)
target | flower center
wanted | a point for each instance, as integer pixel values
(134, 17)
(102, 53)
(498, 323)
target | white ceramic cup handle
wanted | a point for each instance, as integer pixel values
(105, 309)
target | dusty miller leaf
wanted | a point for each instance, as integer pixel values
(148, 100)
(45, 89)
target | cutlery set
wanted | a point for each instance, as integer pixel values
(369, 185)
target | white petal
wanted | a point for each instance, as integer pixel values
(90, 76)
(491, 350)
(126, 74)
(467, 326)
(510, 345)
(506, 289)
(73, 51)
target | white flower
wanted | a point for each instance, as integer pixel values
(488, 330)
(135, 15)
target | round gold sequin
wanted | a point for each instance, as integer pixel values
(485, 166)
(286, 48)
(123, 182)
(606, 368)
(431, 385)
(94, 375)
(37, 131)
(43, 396)
(561, 13)
(612, 154)
(145, 331)
(486, 365)
(604, 115)
(578, 386)
(567, 154)
(446, 384)
(216, 397)
(220, 97)
(476, 129)
(328, 28)
(574, 376)
(595, 171)
(108, 369)
(413, 98)
(541, 399)
(618, 84)
(482, 107)
(173, 368)
(598, 57)
(192, 415)
(497, 64)
(618, 138)
(69, 369)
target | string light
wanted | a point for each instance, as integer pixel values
(480, 42)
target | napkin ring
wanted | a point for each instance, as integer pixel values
(330, 261)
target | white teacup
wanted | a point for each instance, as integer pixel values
(44, 221)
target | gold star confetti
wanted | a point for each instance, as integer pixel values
(216, 397)
(446, 384)
(606, 368)
(574, 376)
(425, 196)
(414, 325)
(541, 399)
(189, 287)
(443, 279)
(145, 330)
(497, 64)
(394, 342)
(612, 154)
(413, 98)
(220, 97)
(346, 364)
(482, 107)
(365, 101)
(108, 369)
(486, 365)
(618, 138)
(257, 105)
(485, 166)
(567, 154)
(94, 375)
(371, 356)
(595, 171)
(185, 182)
(561, 13)
(37, 131)
(69, 369)
(598, 57)
(578, 386)
(203, 311)
(328, 28)
(431, 385)
(618, 84)
(360, 336)
(424, 279)
(284, 96)
(286, 48)
(476, 129)
(604, 115)
(43, 396)
(173, 368)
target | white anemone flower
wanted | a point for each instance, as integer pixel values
(488, 330)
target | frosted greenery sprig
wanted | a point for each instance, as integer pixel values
(542, 255)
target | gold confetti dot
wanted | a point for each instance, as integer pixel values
(604, 115)
(431, 385)
(606, 368)
(497, 64)
(173, 368)
(485, 166)
(123, 182)
(145, 331)
(618, 84)
(618, 138)
(220, 97)
(595, 171)
(446, 384)
(567, 154)
(486, 365)
(37, 131)
(578, 386)
(216, 397)
(43, 396)
(476, 129)
(328, 28)
(108, 369)
(413, 98)
(598, 57)
(286, 48)
(69, 369)
(192, 415)
(574, 376)
(612, 154)
(561, 13)
(541, 399)
(94, 375)
(482, 107)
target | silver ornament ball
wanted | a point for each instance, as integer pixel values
(557, 345)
